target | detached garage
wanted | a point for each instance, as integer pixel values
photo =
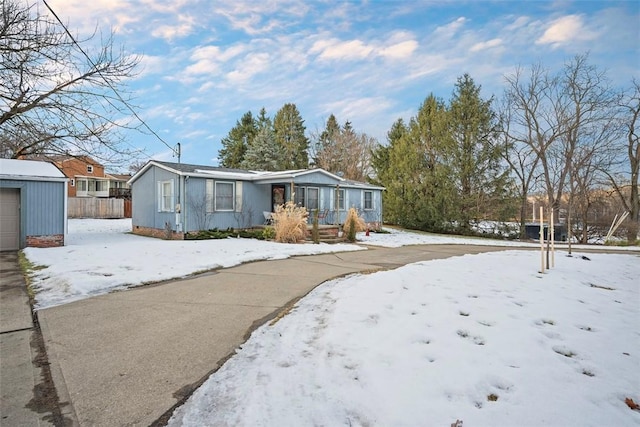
(33, 205)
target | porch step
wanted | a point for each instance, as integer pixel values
(326, 234)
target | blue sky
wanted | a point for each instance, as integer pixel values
(205, 63)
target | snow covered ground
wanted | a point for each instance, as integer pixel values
(101, 256)
(482, 338)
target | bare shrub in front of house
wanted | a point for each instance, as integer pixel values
(290, 223)
(353, 224)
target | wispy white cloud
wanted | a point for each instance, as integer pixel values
(489, 44)
(251, 65)
(260, 17)
(336, 49)
(518, 23)
(396, 46)
(450, 29)
(566, 29)
(169, 32)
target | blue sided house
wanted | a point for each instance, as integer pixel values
(171, 199)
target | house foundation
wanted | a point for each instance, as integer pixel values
(159, 233)
(52, 241)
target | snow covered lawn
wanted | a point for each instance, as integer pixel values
(102, 255)
(480, 338)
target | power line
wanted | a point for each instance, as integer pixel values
(129, 107)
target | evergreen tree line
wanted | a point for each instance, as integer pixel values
(262, 143)
(444, 168)
(568, 135)
(265, 144)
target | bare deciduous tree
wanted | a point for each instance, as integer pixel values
(625, 184)
(54, 99)
(568, 122)
(343, 151)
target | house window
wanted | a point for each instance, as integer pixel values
(89, 169)
(101, 185)
(82, 185)
(307, 197)
(72, 182)
(300, 196)
(313, 198)
(368, 200)
(340, 201)
(165, 196)
(224, 196)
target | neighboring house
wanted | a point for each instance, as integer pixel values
(87, 178)
(33, 204)
(119, 186)
(170, 199)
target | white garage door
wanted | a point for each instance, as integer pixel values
(9, 219)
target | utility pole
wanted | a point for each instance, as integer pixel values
(177, 152)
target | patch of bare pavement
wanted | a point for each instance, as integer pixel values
(28, 395)
(129, 358)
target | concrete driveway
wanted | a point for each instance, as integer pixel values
(127, 358)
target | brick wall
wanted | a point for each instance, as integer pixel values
(52, 241)
(78, 166)
(159, 233)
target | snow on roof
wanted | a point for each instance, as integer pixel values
(30, 169)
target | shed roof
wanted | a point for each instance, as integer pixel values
(30, 170)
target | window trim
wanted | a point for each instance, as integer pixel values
(89, 168)
(72, 182)
(341, 207)
(301, 196)
(364, 200)
(317, 200)
(164, 198)
(232, 197)
(82, 185)
(300, 200)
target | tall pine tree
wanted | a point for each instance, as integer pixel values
(264, 153)
(290, 135)
(236, 143)
(481, 178)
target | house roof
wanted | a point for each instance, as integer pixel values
(261, 177)
(61, 158)
(359, 184)
(118, 176)
(30, 170)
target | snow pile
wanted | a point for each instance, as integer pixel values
(480, 338)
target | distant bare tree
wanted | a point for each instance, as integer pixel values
(343, 151)
(518, 153)
(567, 120)
(625, 184)
(136, 166)
(53, 99)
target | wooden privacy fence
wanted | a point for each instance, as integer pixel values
(91, 207)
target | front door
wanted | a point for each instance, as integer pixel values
(277, 196)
